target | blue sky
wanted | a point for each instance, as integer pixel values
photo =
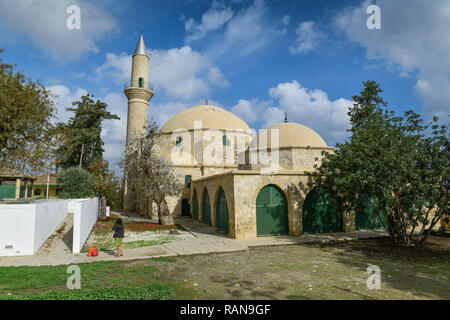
(255, 58)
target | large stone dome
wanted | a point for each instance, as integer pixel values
(212, 117)
(292, 135)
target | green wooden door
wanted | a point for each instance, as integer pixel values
(222, 212)
(195, 206)
(319, 215)
(271, 212)
(206, 209)
(8, 191)
(22, 192)
(367, 218)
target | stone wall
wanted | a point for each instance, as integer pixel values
(288, 158)
(247, 187)
(242, 188)
(191, 151)
(190, 159)
(213, 184)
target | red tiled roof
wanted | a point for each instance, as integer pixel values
(10, 173)
(42, 179)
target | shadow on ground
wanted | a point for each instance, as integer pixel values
(421, 270)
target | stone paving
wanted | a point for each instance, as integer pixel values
(205, 240)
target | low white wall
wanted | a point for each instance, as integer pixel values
(86, 212)
(25, 227)
(48, 217)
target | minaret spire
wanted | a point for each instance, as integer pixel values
(140, 48)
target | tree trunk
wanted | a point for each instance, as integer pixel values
(165, 217)
(102, 207)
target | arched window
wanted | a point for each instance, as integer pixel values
(224, 140)
(187, 180)
(178, 141)
(141, 82)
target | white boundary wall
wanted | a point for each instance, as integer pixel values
(86, 212)
(25, 227)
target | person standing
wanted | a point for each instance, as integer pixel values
(119, 233)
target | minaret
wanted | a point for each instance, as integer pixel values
(139, 93)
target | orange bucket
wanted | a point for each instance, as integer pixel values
(92, 250)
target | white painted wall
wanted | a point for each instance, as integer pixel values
(48, 217)
(25, 227)
(73, 204)
(86, 212)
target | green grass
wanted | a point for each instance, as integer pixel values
(167, 259)
(155, 291)
(116, 280)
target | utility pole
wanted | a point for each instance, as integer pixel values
(48, 182)
(82, 151)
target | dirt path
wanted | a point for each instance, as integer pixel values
(312, 271)
(204, 240)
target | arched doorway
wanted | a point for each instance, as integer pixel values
(271, 212)
(367, 218)
(195, 215)
(319, 213)
(206, 209)
(222, 212)
(185, 208)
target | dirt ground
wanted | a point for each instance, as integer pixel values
(137, 235)
(313, 271)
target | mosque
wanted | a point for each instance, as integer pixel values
(244, 185)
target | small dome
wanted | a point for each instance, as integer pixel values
(293, 134)
(212, 118)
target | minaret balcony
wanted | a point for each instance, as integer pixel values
(138, 84)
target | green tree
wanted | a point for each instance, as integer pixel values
(393, 161)
(76, 183)
(150, 176)
(107, 184)
(26, 129)
(80, 141)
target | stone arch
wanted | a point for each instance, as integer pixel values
(272, 216)
(318, 213)
(285, 192)
(262, 185)
(206, 207)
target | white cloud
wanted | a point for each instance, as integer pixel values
(212, 19)
(308, 37)
(182, 73)
(312, 108)
(64, 99)
(114, 132)
(241, 32)
(116, 67)
(187, 75)
(252, 110)
(286, 19)
(164, 111)
(44, 22)
(413, 37)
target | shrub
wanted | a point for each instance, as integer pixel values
(76, 183)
